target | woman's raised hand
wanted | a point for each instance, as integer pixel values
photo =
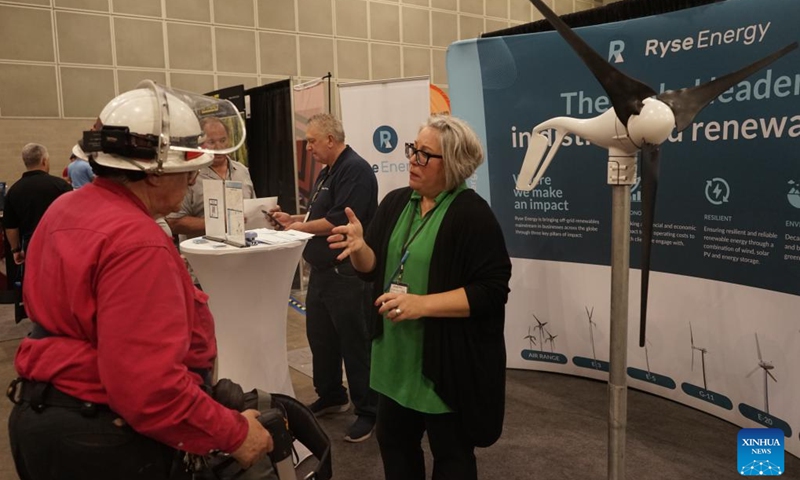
(349, 237)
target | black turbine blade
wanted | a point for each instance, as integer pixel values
(626, 93)
(686, 103)
(650, 154)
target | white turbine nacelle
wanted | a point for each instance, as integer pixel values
(652, 125)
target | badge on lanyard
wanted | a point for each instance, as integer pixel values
(397, 287)
(395, 283)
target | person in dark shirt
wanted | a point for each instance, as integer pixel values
(338, 302)
(27, 200)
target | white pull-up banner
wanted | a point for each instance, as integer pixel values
(379, 118)
(309, 100)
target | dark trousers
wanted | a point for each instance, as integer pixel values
(337, 309)
(61, 443)
(399, 431)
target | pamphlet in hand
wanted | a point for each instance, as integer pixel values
(255, 212)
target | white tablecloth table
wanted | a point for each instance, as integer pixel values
(249, 296)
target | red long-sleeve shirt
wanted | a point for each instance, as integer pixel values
(126, 321)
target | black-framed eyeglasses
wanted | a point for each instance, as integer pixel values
(421, 157)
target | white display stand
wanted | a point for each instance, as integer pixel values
(248, 292)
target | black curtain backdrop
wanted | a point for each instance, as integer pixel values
(270, 143)
(614, 12)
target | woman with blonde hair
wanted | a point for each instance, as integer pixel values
(440, 269)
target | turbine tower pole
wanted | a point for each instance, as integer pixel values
(621, 175)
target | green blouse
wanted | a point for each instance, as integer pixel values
(396, 369)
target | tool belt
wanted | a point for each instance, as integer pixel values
(41, 395)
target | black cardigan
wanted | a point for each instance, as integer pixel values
(465, 358)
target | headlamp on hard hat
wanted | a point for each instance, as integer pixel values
(120, 141)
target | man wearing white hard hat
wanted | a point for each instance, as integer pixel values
(80, 172)
(111, 377)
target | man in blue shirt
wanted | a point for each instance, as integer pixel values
(80, 172)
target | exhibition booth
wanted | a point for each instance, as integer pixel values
(723, 334)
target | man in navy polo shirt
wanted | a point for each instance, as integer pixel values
(27, 200)
(338, 302)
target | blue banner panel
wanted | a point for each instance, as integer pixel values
(728, 205)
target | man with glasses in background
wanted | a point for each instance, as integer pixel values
(190, 219)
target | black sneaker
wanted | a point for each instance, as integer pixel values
(323, 407)
(360, 430)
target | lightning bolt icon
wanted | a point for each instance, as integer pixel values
(717, 191)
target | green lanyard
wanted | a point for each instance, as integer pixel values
(398, 272)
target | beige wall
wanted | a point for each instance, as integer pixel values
(62, 60)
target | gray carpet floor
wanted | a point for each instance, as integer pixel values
(555, 429)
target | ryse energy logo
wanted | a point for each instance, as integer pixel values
(384, 139)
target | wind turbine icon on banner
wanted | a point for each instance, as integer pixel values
(540, 327)
(639, 120)
(647, 356)
(591, 332)
(530, 338)
(552, 339)
(702, 351)
(766, 366)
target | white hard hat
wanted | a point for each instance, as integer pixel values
(157, 130)
(78, 152)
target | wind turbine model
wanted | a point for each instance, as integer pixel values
(702, 351)
(766, 366)
(540, 327)
(530, 338)
(639, 120)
